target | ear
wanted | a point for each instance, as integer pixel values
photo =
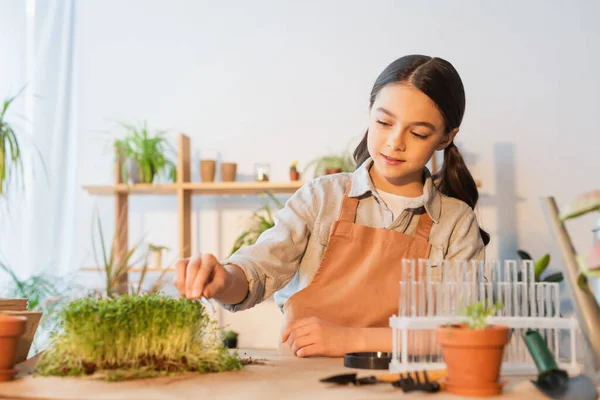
(447, 139)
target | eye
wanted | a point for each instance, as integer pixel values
(383, 123)
(418, 136)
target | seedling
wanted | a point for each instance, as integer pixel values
(477, 314)
(135, 336)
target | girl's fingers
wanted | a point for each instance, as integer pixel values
(302, 342)
(190, 275)
(179, 281)
(297, 324)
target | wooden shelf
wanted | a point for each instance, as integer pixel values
(242, 187)
(98, 269)
(122, 188)
(239, 188)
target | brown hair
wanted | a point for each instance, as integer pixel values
(438, 79)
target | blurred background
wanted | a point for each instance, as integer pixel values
(271, 83)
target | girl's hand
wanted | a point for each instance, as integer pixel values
(315, 336)
(200, 276)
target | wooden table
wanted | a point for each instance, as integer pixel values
(280, 377)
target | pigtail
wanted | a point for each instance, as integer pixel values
(361, 153)
(455, 180)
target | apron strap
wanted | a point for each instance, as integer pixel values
(349, 206)
(423, 227)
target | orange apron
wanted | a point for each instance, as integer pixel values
(357, 283)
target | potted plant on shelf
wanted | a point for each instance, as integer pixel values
(229, 339)
(294, 173)
(472, 351)
(144, 155)
(155, 251)
(332, 164)
(262, 220)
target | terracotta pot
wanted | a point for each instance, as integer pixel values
(473, 358)
(11, 328)
(228, 172)
(207, 170)
(330, 171)
(294, 175)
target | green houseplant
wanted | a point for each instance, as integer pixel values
(156, 252)
(332, 164)
(144, 155)
(473, 352)
(540, 267)
(45, 294)
(261, 220)
(588, 202)
(11, 162)
(133, 336)
(229, 339)
(116, 269)
(294, 173)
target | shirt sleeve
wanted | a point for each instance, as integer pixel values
(272, 261)
(466, 243)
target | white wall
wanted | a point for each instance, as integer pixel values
(274, 81)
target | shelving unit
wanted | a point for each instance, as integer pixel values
(183, 189)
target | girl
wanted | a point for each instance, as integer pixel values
(333, 259)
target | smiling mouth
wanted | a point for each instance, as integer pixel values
(391, 159)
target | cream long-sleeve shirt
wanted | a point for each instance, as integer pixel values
(285, 258)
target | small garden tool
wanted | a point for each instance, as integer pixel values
(408, 382)
(555, 382)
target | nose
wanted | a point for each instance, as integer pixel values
(396, 140)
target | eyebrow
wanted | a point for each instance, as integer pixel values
(419, 123)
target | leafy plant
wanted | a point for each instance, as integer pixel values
(155, 247)
(583, 204)
(11, 158)
(342, 161)
(146, 151)
(540, 267)
(11, 162)
(115, 267)
(134, 336)
(477, 314)
(229, 335)
(262, 219)
(45, 293)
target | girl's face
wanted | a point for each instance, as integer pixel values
(405, 128)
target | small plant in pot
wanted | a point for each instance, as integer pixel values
(332, 164)
(144, 155)
(156, 251)
(294, 173)
(230, 339)
(473, 352)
